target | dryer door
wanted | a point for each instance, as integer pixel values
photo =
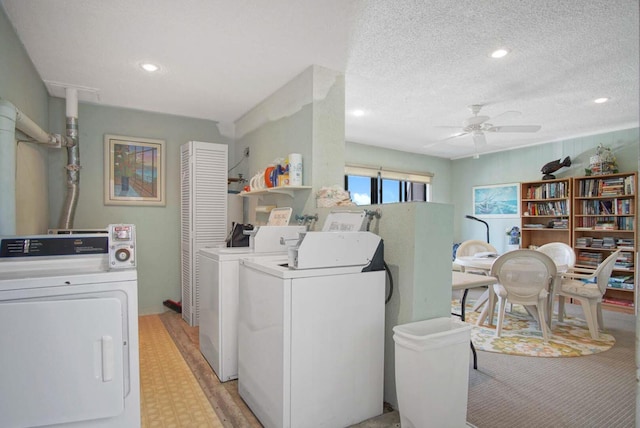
(60, 361)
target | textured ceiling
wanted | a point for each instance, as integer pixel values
(414, 67)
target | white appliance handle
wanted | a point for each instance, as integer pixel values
(108, 361)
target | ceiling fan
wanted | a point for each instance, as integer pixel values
(477, 126)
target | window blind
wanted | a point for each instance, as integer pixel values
(389, 174)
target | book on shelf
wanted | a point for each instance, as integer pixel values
(589, 259)
(605, 225)
(622, 282)
(629, 185)
(534, 226)
(611, 186)
(625, 244)
(619, 302)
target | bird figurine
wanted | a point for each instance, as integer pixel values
(553, 166)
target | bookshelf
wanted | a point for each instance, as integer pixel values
(604, 219)
(546, 212)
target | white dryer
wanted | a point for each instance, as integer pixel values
(70, 330)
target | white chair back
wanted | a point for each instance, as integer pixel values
(524, 274)
(473, 246)
(560, 253)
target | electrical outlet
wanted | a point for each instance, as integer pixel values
(246, 152)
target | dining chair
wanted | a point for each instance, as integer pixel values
(560, 253)
(524, 277)
(470, 248)
(587, 286)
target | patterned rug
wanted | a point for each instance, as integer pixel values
(522, 336)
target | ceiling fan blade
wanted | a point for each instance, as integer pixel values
(456, 135)
(451, 137)
(514, 128)
(509, 114)
(479, 139)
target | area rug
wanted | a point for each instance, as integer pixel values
(521, 335)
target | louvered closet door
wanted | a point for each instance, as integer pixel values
(185, 230)
(206, 181)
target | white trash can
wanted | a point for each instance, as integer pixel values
(432, 372)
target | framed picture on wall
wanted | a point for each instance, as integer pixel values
(497, 201)
(134, 171)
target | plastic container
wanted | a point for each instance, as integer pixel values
(295, 169)
(432, 372)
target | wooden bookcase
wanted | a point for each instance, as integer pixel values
(604, 219)
(546, 212)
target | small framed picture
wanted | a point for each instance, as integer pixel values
(134, 171)
(499, 200)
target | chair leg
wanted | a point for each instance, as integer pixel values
(501, 309)
(483, 298)
(590, 310)
(542, 321)
(483, 315)
(560, 308)
(600, 320)
(492, 305)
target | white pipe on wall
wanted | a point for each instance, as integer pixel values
(8, 149)
(29, 127)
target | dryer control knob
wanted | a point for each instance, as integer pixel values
(122, 254)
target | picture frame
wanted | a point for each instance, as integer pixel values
(134, 171)
(497, 201)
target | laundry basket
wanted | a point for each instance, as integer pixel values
(432, 372)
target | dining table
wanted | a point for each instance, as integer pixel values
(485, 262)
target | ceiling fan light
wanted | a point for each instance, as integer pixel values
(499, 53)
(601, 100)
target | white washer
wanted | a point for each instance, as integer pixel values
(310, 343)
(218, 330)
(69, 340)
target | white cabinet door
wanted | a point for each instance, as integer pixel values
(60, 361)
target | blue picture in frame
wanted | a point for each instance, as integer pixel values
(500, 200)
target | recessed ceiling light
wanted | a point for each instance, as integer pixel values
(601, 100)
(358, 113)
(147, 66)
(499, 53)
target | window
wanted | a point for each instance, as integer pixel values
(375, 185)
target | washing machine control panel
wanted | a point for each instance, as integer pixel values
(122, 246)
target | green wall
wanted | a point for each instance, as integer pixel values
(524, 165)
(304, 116)
(20, 83)
(158, 228)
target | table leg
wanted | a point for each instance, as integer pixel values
(463, 303)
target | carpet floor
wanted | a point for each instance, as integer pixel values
(521, 335)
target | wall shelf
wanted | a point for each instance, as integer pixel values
(285, 190)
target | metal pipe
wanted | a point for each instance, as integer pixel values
(73, 161)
